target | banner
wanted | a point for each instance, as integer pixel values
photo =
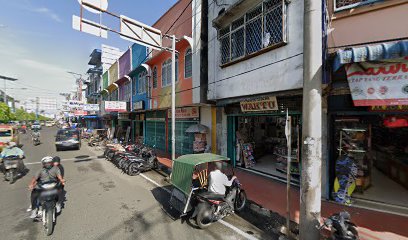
(74, 104)
(187, 112)
(379, 84)
(260, 105)
(80, 113)
(115, 106)
(91, 107)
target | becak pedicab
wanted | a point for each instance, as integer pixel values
(190, 195)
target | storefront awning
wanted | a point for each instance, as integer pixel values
(112, 87)
(377, 52)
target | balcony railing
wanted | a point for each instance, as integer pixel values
(347, 4)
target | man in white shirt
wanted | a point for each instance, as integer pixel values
(218, 181)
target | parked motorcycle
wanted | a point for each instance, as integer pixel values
(47, 205)
(341, 227)
(212, 207)
(12, 168)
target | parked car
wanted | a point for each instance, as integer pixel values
(8, 134)
(67, 139)
(49, 123)
(42, 123)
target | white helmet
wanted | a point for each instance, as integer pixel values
(12, 144)
(47, 161)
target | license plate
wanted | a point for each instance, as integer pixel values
(11, 166)
(49, 193)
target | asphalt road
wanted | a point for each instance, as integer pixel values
(103, 203)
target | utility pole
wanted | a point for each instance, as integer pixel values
(173, 98)
(5, 86)
(37, 106)
(310, 196)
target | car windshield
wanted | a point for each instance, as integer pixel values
(6, 133)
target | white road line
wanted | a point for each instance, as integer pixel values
(232, 227)
(68, 159)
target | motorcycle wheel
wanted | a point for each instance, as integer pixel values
(204, 216)
(134, 169)
(354, 231)
(49, 223)
(240, 201)
(12, 177)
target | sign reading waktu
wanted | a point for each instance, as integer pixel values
(259, 105)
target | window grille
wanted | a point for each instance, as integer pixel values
(142, 82)
(261, 27)
(134, 85)
(155, 77)
(188, 64)
(347, 4)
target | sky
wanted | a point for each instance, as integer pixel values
(38, 45)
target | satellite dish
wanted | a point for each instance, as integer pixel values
(98, 4)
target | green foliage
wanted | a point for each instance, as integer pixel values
(5, 113)
(22, 115)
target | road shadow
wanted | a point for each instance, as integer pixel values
(82, 156)
(83, 160)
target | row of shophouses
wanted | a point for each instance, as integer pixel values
(239, 67)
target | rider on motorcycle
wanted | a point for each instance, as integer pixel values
(35, 134)
(13, 150)
(218, 182)
(49, 172)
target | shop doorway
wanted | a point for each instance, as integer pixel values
(378, 147)
(138, 131)
(259, 144)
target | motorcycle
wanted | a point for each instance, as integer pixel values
(36, 141)
(341, 227)
(12, 168)
(210, 207)
(48, 199)
(193, 200)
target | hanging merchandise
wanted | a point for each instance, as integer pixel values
(248, 155)
(345, 181)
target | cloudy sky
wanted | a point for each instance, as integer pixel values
(38, 45)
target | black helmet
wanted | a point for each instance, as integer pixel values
(56, 159)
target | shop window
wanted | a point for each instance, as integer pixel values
(260, 144)
(155, 77)
(262, 27)
(188, 64)
(368, 160)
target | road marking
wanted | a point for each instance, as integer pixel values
(68, 159)
(230, 226)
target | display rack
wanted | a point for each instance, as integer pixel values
(354, 143)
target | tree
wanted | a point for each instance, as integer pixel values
(5, 113)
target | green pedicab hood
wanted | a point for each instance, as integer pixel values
(183, 168)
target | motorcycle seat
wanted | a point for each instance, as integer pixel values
(211, 195)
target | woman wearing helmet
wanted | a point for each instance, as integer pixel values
(47, 173)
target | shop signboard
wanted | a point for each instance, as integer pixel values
(138, 105)
(75, 104)
(115, 106)
(260, 105)
(394, 108)
(123, 116)
(379, 84)
(80, 113)
(185, 113)
(91, 107)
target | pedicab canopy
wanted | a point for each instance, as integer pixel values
(183, 168)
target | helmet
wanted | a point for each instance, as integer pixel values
(47, 162)
(12, 144)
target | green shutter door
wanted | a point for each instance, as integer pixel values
(184, 141)
(156, 134)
